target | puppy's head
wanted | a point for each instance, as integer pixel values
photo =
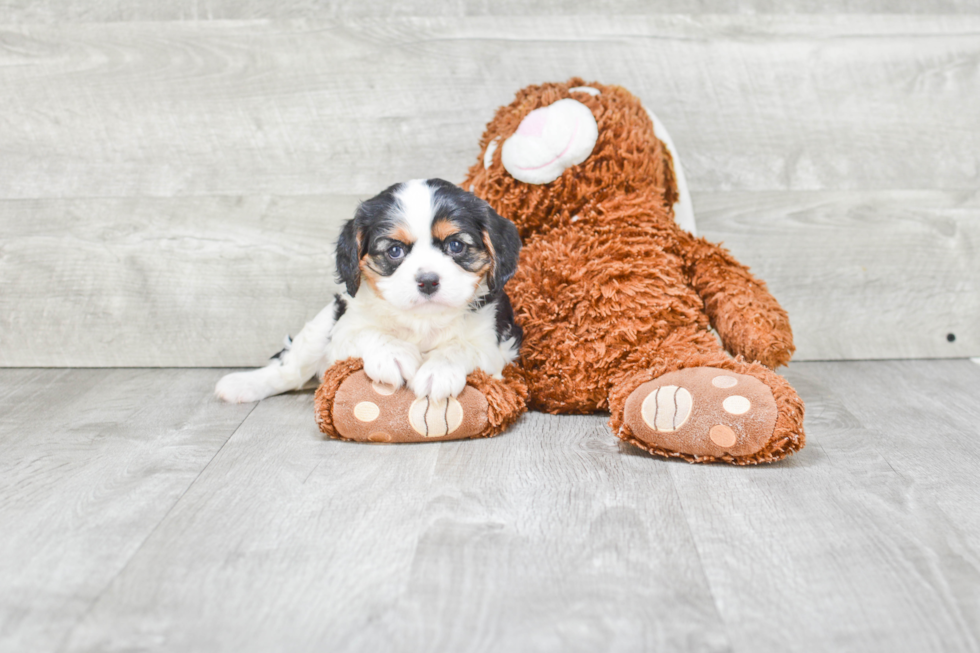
(427, 246)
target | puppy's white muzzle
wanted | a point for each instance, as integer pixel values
(549, 141)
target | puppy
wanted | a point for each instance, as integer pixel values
(424, 265)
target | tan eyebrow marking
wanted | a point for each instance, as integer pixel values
(443, 229)
(402, 233)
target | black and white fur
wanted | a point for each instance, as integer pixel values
(423, 265)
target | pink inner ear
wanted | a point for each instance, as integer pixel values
(533, 123)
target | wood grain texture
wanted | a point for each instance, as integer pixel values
(308, 106)
(597, 574)
(49, 11)
(546, 538)
(90, 462)
(839, 548)
(932, 439)
(319, 533)
(163, 282)
(862, 275)
(553, 536)
(220, 281)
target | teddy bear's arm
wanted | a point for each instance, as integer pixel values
(746, 316)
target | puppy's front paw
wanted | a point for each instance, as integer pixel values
(244, 387)
(438, 379)
(392, 365)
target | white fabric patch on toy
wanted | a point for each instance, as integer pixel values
(683, 209)
(488, 155)
(585, 89)
(549, 141)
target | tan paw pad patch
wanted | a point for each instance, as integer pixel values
(667, 408)
(736, 405)
(724, 381)
(722, 435)
(433, 419)
(366, 411)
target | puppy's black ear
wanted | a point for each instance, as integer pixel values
(349, 257)
(504, 244)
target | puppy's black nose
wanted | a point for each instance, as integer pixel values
(428, 282)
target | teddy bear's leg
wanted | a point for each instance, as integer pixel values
(349, 406)
(707, 407)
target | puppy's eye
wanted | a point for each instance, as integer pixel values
(455, 246)
(395, 252)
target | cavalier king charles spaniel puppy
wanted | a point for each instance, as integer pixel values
(424, 265)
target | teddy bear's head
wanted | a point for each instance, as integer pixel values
(560, 150)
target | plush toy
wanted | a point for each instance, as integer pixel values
(617, 301)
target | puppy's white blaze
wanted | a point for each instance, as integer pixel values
(415, 203)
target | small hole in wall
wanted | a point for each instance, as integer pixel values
(951, 337)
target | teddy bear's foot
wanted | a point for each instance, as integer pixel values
(705, 414)
(368, 411)
(351, 406)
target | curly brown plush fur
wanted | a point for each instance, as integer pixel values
(611, 293)
(323, 400)
(506, 399)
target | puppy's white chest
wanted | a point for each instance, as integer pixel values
(429, 336)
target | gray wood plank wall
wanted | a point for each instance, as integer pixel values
(170, 185)
(59, 11)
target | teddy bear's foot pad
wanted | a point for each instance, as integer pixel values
(368, 411)
(703, 412)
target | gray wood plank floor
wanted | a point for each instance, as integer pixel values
(139, 514)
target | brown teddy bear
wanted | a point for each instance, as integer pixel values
(617, 301)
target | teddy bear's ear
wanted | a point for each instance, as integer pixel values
(504, 244)
(349, 256)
